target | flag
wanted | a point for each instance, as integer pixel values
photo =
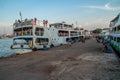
(20, 14)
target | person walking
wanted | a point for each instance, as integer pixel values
(83, 39)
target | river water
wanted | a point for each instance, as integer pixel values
(5, 50)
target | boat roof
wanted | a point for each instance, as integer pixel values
(116, 20)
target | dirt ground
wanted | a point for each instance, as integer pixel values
(80, 61)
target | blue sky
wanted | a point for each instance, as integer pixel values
(89, 14)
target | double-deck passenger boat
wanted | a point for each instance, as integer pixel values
(30, 35)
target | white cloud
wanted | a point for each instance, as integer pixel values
(105, 7)
(98, 23)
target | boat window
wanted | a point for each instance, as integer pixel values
(42, 41)
(73, 33)
(19, 41)
(23, 31)
(118, 39)
(111, 38)
(39, 31)
(119, 28)
(115, 29)
(114, 38)
(79, 33)
(63, 33)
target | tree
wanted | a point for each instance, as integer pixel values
(97, 31)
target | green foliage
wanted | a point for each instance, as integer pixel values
(97, 31)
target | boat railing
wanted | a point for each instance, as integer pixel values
(22, 23)
(24, 43)
(42, 43)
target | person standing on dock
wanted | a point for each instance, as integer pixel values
(35, 19)
(83, 39)
(44, 23)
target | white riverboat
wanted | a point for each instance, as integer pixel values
(115, 33)
(30, 35)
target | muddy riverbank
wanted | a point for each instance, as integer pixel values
(69, 62)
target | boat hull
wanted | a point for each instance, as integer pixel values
(18, 49)
(22, 51)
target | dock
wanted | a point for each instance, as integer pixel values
(79, 61)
